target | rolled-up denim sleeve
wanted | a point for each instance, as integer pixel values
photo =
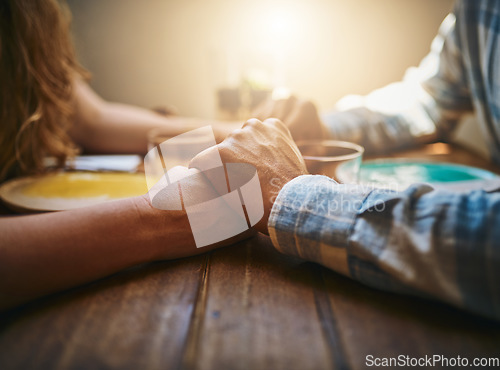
(420, 241)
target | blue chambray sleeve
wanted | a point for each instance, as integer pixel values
(424, 107)
(421, 241)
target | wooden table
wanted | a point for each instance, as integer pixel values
(241, 307)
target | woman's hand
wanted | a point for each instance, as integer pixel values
(210, 225)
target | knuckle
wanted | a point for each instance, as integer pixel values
(252, 122)
(273, 121)
(235, 135)
(276, 123)
(237, 132)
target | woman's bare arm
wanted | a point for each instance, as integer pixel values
(45, 253)
(104, 127)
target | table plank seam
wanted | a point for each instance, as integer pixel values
(328, 321)
(190, 351)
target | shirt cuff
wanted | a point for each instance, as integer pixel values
(313, 218)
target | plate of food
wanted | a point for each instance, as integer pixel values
(69, 190)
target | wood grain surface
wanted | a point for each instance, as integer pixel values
(242, 307)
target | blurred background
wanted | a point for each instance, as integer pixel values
(180, 52)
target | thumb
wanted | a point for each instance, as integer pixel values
(209, 162)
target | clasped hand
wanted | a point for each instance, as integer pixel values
(269, 147)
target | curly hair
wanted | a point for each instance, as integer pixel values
(37, 69)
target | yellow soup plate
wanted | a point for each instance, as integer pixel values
(69, 190)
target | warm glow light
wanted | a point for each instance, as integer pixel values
(275, 33)
(267, 39)
(281, 25)
(280, 29)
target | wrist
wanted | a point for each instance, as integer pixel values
(276, 185)
(167, 234)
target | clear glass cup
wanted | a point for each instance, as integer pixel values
(339, 160)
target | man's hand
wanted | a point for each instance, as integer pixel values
(269, 147)
(300, 116)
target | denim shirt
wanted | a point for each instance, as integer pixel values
(432, 243)
(460, 75)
